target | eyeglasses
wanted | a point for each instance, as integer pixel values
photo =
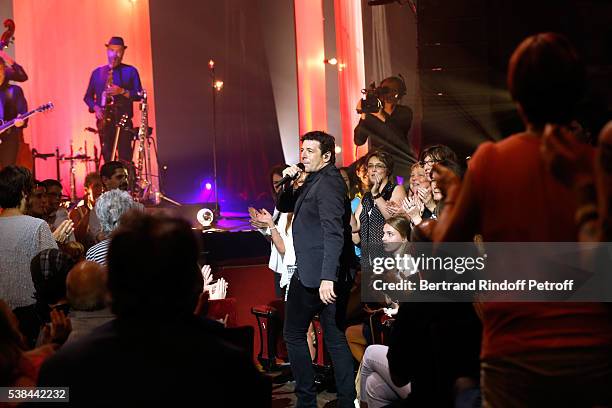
(430, 162)
(377, 166)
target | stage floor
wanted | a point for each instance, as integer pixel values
(283, 395)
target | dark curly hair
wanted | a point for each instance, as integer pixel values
(15, 182)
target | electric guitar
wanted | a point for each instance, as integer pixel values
(4, 126)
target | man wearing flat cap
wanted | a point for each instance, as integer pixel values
(112, 90)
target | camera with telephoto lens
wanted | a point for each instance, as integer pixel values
(375, 97)
(371, 102)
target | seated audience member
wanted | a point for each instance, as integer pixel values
(546, 353)
(109, 209)
(80, 215)
(210, 291)
(55, 213)
(75, 250)
(114, 175)
(376, 387)
(37, 204)
(156, 342)
(49, 269)
(395, 242)
(19, 366)
(86, 293)
(22, 237)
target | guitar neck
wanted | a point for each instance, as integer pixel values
(11, 123)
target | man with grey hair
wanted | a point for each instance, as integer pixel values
(109, 209)
(86, 292)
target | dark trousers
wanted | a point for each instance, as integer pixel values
(302, 304)
(9, 148)
(124, 145)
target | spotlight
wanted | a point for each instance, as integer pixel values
(211, 64)
(331, 61)
(218, 85)
(208, 186)
(338, 149)
(205, 217)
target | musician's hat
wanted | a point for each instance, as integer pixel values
(116, 41)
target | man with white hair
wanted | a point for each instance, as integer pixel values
(109, 209)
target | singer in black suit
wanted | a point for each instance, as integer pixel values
(323, 248)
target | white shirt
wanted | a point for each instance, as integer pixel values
(279, 263)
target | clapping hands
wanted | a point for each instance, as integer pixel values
(413, 207)
(261, 218)
(216, 290)
(58, 330)
(62, 233)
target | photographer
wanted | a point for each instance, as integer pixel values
(388, 126)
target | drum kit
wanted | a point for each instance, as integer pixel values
(74, 159)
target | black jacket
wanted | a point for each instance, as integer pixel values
(391, 136)
(321, 227)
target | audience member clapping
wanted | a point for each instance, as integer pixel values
(156, 342)
(19, 366)
(373, 210)
(49, 270)
(80, 215)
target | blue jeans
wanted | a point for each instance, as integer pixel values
(302, 304)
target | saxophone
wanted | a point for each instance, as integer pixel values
(142, 171)
(106, 102)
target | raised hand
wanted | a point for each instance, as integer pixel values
(568, 159)
(219, 290)
(207, 276)
(264, 217)
(376, 186)
(425, 195)
(62, 233)
(445, 179)
(413, 208)
(58, 330)
(394, 209)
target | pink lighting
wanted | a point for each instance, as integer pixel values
(52, 43)
(310, 72)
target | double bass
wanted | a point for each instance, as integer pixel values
(24, 154)
(8, 34)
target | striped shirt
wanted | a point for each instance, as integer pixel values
(97, 253)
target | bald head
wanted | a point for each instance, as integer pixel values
(86, 286)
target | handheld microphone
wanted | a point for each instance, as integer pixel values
(289, 178)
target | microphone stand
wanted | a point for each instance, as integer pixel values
(216, 87)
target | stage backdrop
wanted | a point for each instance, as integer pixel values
(59, 43)
(184, 39)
